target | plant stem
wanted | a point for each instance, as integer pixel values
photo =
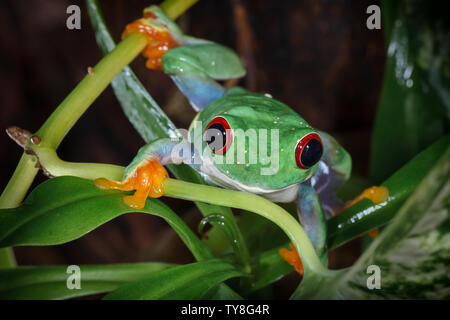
(13, 195)
(196, 192)
(19, 183)
(254, 203)
(72, 108)
(175, 8)
(69, 111)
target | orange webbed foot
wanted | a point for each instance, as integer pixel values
(292, 257)
(375, 194)
(147, 180)
(159, 39)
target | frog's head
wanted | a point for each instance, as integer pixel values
(250, 141)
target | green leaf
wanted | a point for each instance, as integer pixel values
(148, 118)
(50, 282)
(353, 222)
(189, 281)
(364, 215)
(138, 105)
(65, 208)
(414, 109)
(413, 251)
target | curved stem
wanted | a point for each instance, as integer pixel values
(50, 162)
(254, 203)
(69, 111)
(175, 8)
(19, 183)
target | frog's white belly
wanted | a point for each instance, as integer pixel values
(213, 176)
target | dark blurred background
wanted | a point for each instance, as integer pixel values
(317, 56)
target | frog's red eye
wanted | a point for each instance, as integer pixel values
(218, 135)
(309, 151)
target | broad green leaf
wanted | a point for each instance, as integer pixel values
(364, 215)
(65, 208)
(414, 109)
(413, 252)
(189, 281)
(148, 118)
(50, 282)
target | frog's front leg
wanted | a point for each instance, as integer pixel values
(146, 173)
(314, 223)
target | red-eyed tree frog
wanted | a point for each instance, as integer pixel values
(239, 139)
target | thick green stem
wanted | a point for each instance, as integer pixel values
(69, 111)
(175, 8)
(13, 195)
(72, 108)
(196, 192)
(254, 203)
(19, 183)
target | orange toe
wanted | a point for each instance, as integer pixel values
(135, 201)
(291, 256)
(147, 180)
(106, 184)
(373, 233)
(375, 194)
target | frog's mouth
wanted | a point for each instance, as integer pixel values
(213, 176)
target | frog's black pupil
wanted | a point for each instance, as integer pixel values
(216, 130)
(311, 153)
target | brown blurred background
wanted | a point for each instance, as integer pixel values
(315, 55)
